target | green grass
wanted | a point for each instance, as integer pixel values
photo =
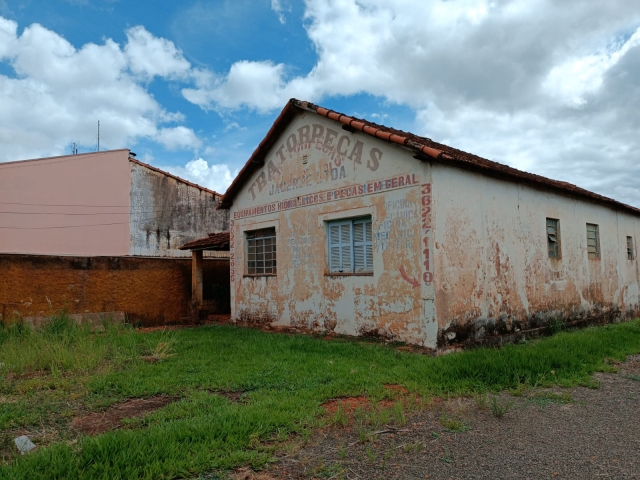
(285, 379)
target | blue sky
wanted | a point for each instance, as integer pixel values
(193, 86)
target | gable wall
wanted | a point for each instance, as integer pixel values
(167, 213)
(346, 175)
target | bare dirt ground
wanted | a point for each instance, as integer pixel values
(577, 433)
(111, 419)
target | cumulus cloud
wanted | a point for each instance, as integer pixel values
(546, 86)
(59, 93)
(258, 85)
(151, 56)
(177, 137)
(575, 78)
(216, 177)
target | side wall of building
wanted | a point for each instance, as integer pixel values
(317, 173)
(492, 269)
(167, 213)
(151, 291)
(71, 205)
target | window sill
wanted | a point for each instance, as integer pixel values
(260, 275)
(349, 274)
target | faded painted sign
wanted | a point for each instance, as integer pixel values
(336, 149)
(344, 193)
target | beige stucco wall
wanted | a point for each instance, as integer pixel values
(491, 264)
(298, 199)
(167, 213)
(87, 194)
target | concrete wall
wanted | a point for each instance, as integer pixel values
(167, 213)
(315, 173)
(151, 291)
(492, 269)
(70, 205)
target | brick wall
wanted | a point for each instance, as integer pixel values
(152, 291)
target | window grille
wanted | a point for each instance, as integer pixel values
(630, 251)
(553, 237)
(261, 252)
(350, 246)
(593, 241)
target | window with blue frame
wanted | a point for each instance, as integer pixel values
(350, 246)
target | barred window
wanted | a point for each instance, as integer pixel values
(261, 251)
(350, 246)
(553, 237)
(593, 240)
(630, 251)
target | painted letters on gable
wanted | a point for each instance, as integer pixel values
(336, 148)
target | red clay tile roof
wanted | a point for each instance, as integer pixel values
(425, 148)
(138, 162)
(215, 241)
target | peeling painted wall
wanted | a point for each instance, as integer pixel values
(316, 173)
(167, 213)
(152, 291)
(493, 272)
(457, 256)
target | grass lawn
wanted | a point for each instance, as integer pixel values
(48, 377)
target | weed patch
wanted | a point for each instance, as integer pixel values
(452, 424)
(548, 398)
(499, 408)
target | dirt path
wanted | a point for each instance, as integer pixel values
(577, 433)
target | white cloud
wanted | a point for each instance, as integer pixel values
(575, 78)
(216, 177)
(178, 137)
(59, 93)
(8, 30)
(233, 126)
(258, 85)
(151, 56)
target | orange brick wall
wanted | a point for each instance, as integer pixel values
(151, 291)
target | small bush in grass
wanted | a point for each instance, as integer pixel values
(364, 434)
(500, 408)
(340, 417)
(482, 402)
(453, 424)
(399, 417)
(556, 325)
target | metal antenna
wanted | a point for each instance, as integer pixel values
(98, 135)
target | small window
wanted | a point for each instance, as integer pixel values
(261, 252)
(350, 247)
(553, 237)
(630, 251)
(593, 240)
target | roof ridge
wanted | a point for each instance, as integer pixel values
(155, 169)
(426, 149)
